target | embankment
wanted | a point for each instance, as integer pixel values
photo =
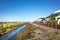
(38, 32)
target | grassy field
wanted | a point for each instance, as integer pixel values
(6, 27)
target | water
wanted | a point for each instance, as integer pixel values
(13, 35)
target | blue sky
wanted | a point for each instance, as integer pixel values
(27, 10)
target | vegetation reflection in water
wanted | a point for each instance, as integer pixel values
(6, 27)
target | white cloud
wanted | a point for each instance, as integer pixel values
(57, 11)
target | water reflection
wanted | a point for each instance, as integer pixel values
(12, 35)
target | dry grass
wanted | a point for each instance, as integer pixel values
(6, 27)
(45, 33)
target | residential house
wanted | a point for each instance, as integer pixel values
(58, 19)
(41, 20)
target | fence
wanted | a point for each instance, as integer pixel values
(56, 26)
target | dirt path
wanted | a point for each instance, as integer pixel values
(46, 33)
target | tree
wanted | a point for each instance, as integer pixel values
(52, 18)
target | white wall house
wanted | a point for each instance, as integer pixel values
(47, 19)
(40, 19)
(58, 19)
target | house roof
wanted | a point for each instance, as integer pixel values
(56, 14)
(42, 18)
(58, 18)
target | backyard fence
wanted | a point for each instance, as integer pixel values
(56, 26)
